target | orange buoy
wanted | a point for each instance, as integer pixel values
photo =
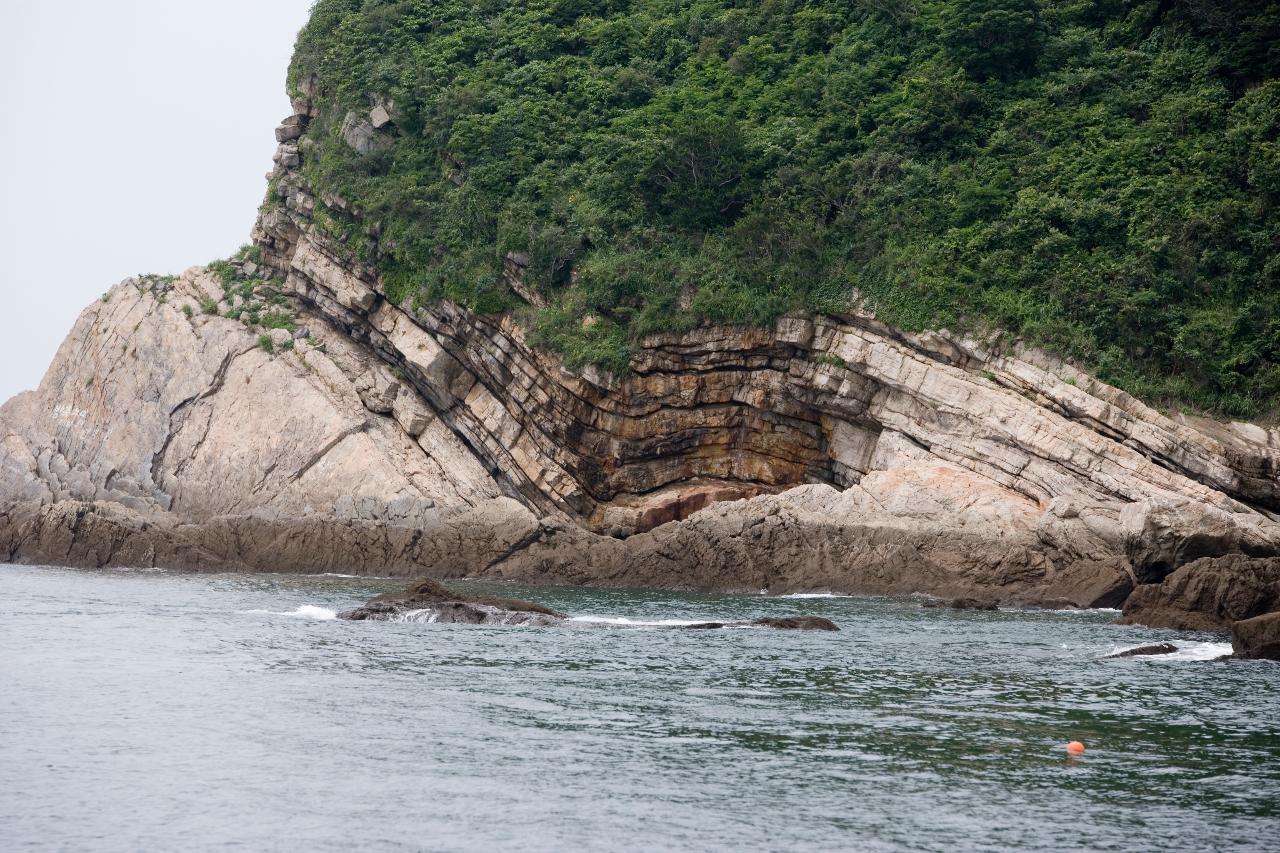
(1075, 747)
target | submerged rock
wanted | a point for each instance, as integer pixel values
(965, 604)
(796, 623)
(428, 601)
(1144, 651)
(431, 602)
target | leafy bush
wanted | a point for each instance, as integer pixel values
(1100, 176)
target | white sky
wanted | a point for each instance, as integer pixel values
(135, 138)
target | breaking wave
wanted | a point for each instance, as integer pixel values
(624, 622)
(1193, 651)
(306, 611)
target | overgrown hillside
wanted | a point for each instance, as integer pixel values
(1101, 176)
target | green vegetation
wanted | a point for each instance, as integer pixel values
(277, 319)
(225, 272)
(266, 343)
(254, 295)
(1101, 176)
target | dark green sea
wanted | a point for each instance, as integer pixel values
(171, 711)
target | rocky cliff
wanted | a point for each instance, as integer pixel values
(284, 414)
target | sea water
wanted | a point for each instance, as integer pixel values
(171, 711)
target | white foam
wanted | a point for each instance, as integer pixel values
(1186, 651)
(306, 611)
(815, 595)
(643, 623)
(1088, 610)
(426, 616)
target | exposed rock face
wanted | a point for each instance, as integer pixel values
(1208, 595)
(824, 453)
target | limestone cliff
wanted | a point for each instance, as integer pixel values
(823, 453)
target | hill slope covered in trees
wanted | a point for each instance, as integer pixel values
(1100, 176)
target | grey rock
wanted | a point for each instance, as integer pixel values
(362, 136)
(379, 117)
(291, 128)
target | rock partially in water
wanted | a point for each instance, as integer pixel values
(430, 602)
(781, 623)
(965, 604)
(1258, 637)
(1208, 595)
(1144, 651)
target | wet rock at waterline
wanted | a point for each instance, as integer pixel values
(1258, 637)
(1145, 651)
(964, 604)
(430, 602)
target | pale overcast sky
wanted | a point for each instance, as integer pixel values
(136, 137)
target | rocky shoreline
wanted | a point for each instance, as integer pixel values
(283, 414)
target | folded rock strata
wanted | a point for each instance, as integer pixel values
(822, 453)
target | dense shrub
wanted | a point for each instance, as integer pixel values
(1101, 176)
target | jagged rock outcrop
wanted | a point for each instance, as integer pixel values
(822, 453)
